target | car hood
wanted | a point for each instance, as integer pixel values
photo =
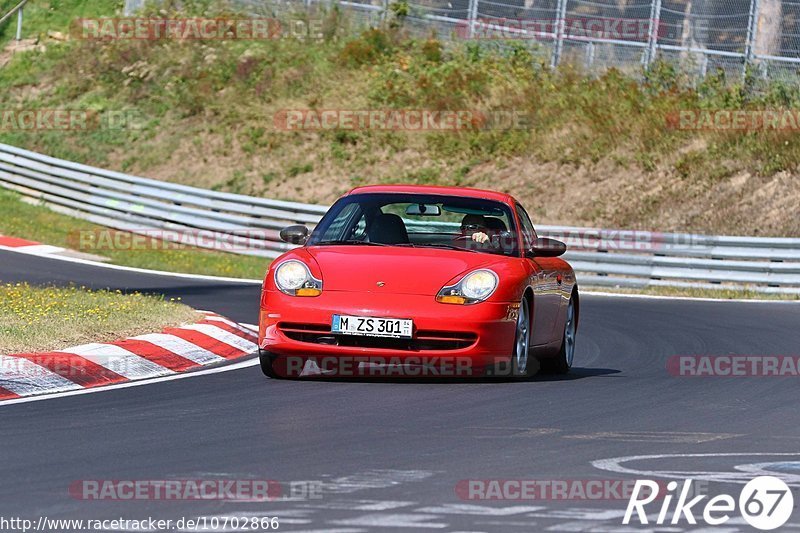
(401, 270)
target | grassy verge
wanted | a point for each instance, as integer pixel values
(50, 318)
(683, 292)
(38, 223)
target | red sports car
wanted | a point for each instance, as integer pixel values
(419, 281)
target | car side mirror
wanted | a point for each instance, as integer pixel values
(297, 234)
(544, 247)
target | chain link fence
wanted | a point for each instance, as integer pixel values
(760, 37)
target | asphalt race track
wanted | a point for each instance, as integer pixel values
(390, 454)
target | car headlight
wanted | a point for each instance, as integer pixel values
(294, 278)
(475, 287)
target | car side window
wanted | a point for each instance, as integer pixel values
(526, 226)
(347, 224)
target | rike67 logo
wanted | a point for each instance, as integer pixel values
(766, 503)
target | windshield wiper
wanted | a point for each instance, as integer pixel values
(355, 243)
(439, 245)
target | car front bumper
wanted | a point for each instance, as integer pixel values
(463, 338)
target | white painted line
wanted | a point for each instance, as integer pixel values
(24, 377)
(118, 360)
(614, 464)
(588, 514)
(253, 327)
(480, 510)
(181, 347)
(231, 323)
(671, 437)
(360, 505)
(217, 370)
(223, 336)
(40, 249)
(373, 479)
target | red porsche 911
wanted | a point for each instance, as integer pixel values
(448, 281)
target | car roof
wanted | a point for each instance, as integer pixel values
(464, 192)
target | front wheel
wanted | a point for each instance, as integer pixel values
(522, 365)
(563, 361)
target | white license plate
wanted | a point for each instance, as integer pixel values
(372, 327)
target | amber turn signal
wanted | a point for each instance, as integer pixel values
(450, 299)
(307, 292)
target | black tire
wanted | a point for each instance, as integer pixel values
(561, 363)
(266, 359)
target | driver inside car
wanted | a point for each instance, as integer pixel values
(476, 228)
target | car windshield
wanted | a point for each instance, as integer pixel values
(419, 220)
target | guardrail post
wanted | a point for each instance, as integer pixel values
(752, 32)
(473, 17)
(652, 37)
(589, 56)
(385, 10)
(19, 23)
(561, 21)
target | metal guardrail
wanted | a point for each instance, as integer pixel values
(225, 221)
(18, 9)
(250, 225)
